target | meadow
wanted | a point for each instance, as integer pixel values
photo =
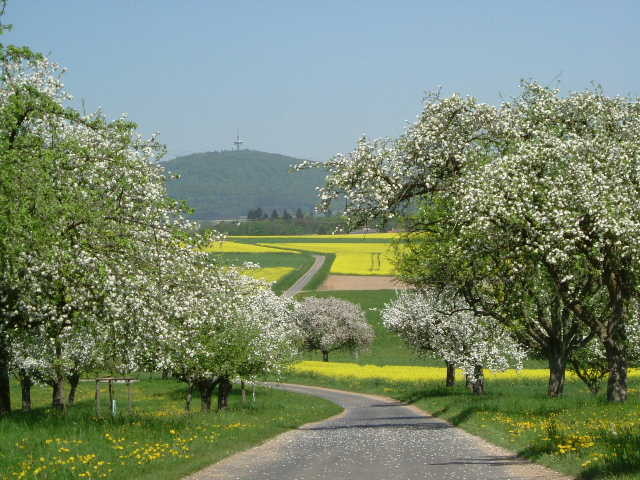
(158, 440)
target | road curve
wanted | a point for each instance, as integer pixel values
(375, 438)
(318, 261)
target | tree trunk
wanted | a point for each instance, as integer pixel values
(557, 368)
(244, 392)
(5, 385)
(25, 390)
(57, 399)
(58, 382)
(74, 380)
(620, 286)
(224, 388)
(451, 374)
(206, 390)
(617, 361)
(187, 406)
(477, 385)
(325, 356)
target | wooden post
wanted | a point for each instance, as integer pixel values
(129, 394)
(111, 395)
(97, 398)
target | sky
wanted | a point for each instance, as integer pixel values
(307, 79)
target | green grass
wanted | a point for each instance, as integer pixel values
(300, 262)
(157, 441)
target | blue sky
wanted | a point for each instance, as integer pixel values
(308, 78)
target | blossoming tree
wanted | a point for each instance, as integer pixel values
(537, 195)
(442, 325)
(328, 324)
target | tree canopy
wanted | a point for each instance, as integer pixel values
(528, 209)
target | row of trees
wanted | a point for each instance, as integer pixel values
(259, 214)
(98, 269)
(528, 215)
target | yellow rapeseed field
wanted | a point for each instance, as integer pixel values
(270, 274)
(403, 373)
(351, 258)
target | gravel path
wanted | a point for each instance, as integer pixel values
(306, 277)
(375, 438)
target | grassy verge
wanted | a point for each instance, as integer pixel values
(579, 434)
(157, 441)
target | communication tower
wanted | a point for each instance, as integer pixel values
(238, 142)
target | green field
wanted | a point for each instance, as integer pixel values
(157, 441)
(299, 262)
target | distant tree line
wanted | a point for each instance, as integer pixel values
(284, 224)
(259, 214)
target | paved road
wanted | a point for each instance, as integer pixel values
(375, 438)
(306, 278)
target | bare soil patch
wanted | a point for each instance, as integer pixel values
(361, 282)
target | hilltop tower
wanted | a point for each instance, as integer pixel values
(238, 142)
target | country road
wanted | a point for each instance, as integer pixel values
(306, 277)
(375, 438)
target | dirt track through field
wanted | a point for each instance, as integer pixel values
(318, 261)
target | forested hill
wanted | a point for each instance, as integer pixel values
(222, 185)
